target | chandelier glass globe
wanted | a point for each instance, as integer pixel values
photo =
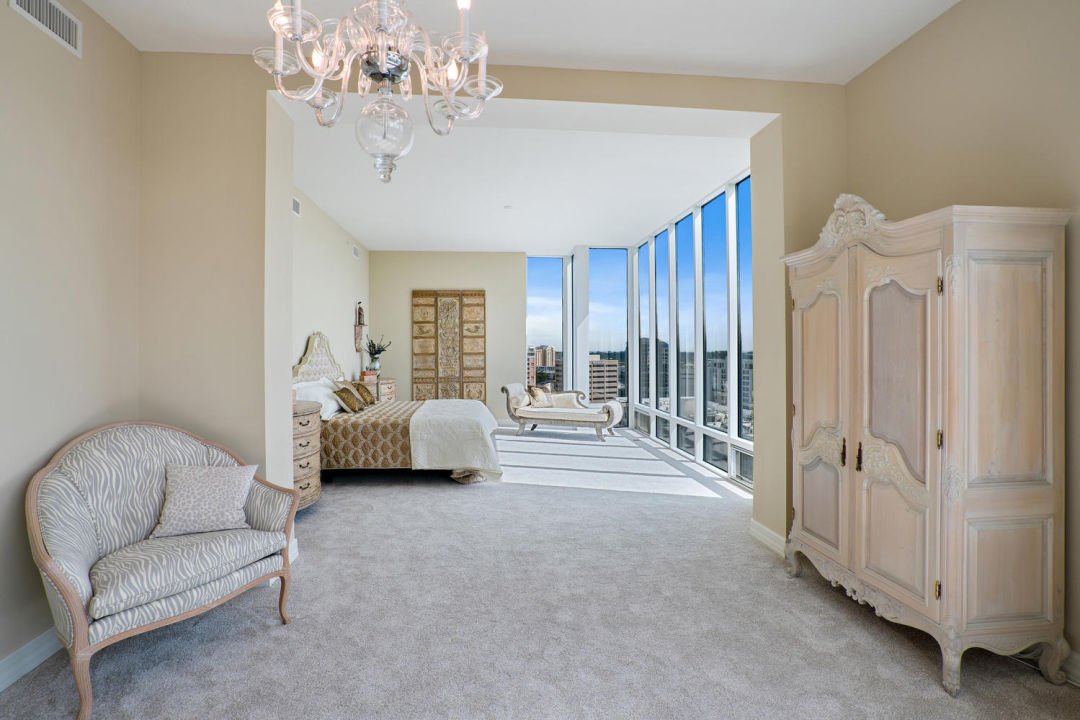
(385, 132)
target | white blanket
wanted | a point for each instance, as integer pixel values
(455, 435)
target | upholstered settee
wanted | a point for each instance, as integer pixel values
(568, 409)
(90, 513)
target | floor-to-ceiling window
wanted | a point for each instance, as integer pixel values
(544, 362)
(698, 397)
(744, 243)
(714, 272)
(607, 327)
(644, 315)
(662, 303)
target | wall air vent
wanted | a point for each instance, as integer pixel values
(61, 25)
(356, 252)
(296, 207)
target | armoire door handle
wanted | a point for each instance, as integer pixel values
(843, 452)
(858, 459)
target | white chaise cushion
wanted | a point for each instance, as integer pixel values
(160, 567)
(582, 415)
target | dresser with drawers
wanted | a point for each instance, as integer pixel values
(307, 443)
(384, 389)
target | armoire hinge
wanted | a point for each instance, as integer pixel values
(940, 285)
(937, 590)
(940, 439)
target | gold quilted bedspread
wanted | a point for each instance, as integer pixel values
(377, 437)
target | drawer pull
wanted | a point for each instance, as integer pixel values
(304, 444)
(306, 465)
(305, 486)
(304, 423)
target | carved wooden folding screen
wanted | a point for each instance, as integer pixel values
(449, 344)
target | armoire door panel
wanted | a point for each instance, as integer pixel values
(898, 369)
(821, 341)
(1009, 310)
(821, 502)
(896, 543)
(897, 381)
(821, 397)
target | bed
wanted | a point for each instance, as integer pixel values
(453, 435)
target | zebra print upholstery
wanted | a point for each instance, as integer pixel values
(159, 567)
(89, 514)
(174, 605)
(97, 504)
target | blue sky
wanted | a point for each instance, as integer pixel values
(543, 320)
(607, 285)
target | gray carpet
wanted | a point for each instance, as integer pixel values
(416, 597)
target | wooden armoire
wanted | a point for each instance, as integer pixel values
(928, 445)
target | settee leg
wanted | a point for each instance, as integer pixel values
(80, 668)
(533, 427)
(284, 600)
(600, 434)
(611, 431)
(521, 428)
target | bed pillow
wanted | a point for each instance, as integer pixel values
(350, 398)
(364, 391)
(539, 397)
(204, 499)
(322, 392)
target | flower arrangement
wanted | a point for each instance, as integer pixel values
(375, 349)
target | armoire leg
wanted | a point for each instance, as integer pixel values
(793, 562)
(950, 670)
(1053, 654)
(80, 668)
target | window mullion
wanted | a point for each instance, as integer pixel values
(733, 323)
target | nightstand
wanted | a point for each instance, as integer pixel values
(384, 390)
(307, 444)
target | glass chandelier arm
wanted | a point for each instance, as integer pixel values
(314, 90)
(428, 110)
(340, 105)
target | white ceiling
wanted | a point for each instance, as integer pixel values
(827, 41)
(571, 174)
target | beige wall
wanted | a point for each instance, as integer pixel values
(202, 246)
(394, 275)
(278, 294)
(68, 267)
(956, 115)
(327, 282)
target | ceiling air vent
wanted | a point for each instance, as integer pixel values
(61, 25)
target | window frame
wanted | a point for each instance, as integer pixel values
(650, 407)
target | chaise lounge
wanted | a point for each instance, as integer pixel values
(568, 409)
(90, 513)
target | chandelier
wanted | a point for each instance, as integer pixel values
(380, 43)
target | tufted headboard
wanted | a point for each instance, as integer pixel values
(318, 361)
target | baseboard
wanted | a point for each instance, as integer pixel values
(1071, 666)
(767, 537)
(28, 657)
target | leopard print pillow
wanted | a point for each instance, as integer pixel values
(204, 499)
